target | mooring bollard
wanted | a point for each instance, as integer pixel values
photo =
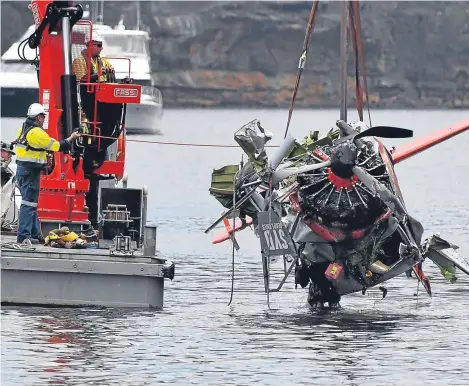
(149, 240)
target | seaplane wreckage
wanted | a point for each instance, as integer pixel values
(331, 205)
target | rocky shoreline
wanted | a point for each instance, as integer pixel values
(245, 54)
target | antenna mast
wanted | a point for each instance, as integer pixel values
(138, 15)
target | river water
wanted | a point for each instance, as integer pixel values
(405, 339)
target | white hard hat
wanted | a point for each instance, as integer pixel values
(96, 37)
(35, 109)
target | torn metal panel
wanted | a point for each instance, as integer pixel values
(252, 138)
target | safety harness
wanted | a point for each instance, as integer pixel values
(28, 125)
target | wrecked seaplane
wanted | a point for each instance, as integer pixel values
(331, 205)
(332, 208)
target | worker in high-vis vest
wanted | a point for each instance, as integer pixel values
(97, 62)
(97, 65)
(32, 145)
(92, 69)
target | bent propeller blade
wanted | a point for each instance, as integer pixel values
(281, 153)
(385, 132)
(345, 128)
(288, 172)
(381, 191)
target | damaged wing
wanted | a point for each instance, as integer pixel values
(444, 255)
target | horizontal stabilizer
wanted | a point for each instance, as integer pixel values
(226, 232)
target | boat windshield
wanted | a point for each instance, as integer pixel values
(117, 44)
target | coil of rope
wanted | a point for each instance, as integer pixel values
(17, 246)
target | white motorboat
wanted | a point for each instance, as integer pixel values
(19, 82)
(133, 44)
(18, 79)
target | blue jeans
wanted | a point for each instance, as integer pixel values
(28, 180)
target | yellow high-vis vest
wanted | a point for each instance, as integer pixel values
(32, 145)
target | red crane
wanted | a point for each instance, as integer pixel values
(60, 36)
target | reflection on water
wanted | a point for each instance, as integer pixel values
(197, 337)
(405, 339)
(246, 343)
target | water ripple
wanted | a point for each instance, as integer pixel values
(405, 339)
